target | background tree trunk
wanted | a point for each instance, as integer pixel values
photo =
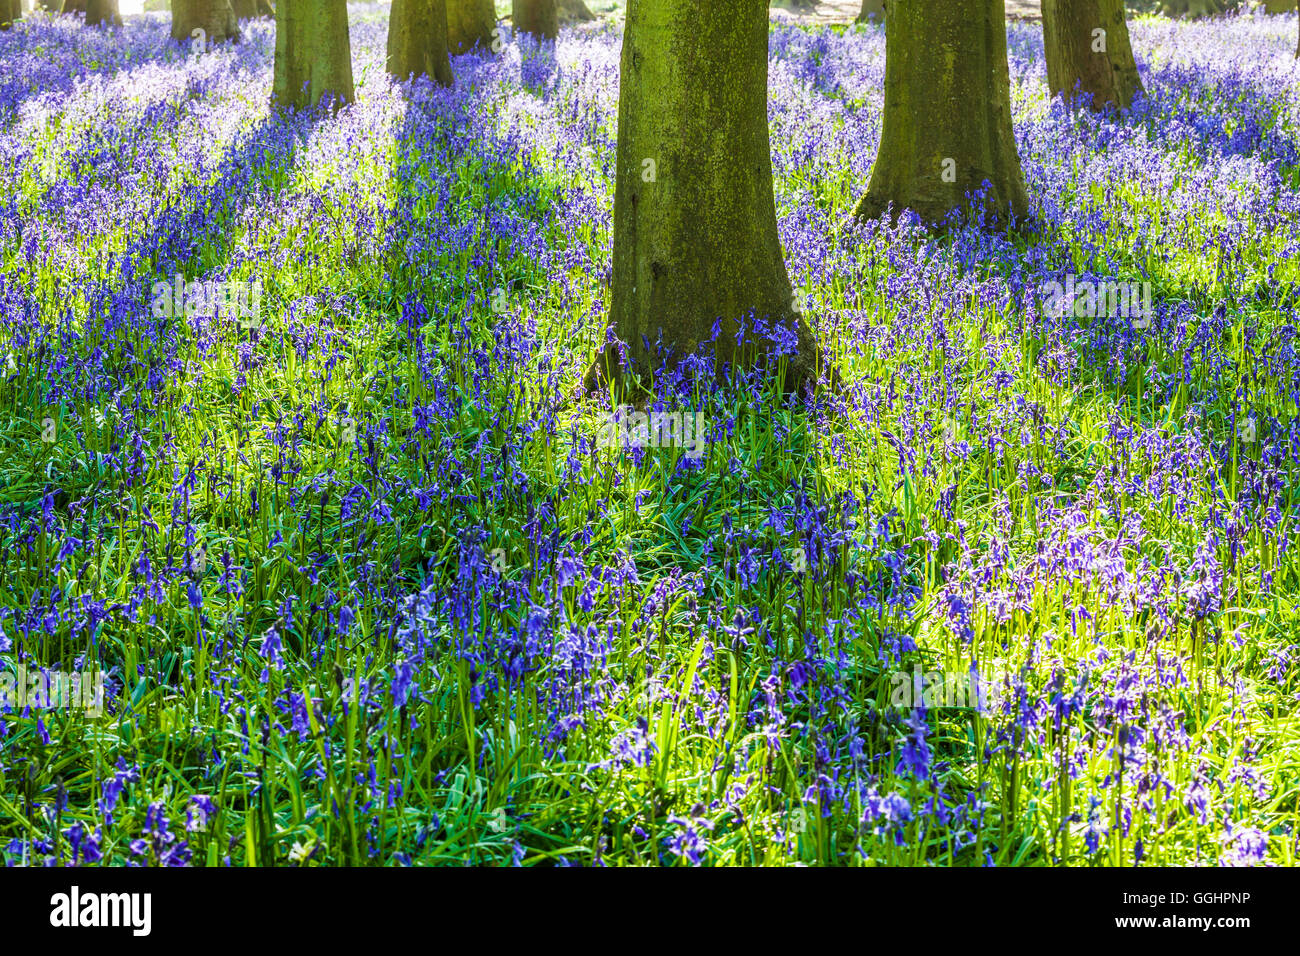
(73, 6)
(102, 11)
(1192, 8)
(872, 10)
(313, 56)
(538, 17)
(470, 23)
(10, 11)
(1108, 74)
(216, 18)
(417, 40)
(573, 10)
(695, 237)
(947, 125)
(248, 9)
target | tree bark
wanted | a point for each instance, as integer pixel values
(947, 124)
(695, 235)
(248, 9)
(216, 18)
(102, 11)
(10, 12)
(573, 10)
(313, 56)
(538, 17)
(1088, 51)
(73, 6)
(1192, 8)
(417, 40)
(872, 10)
(470, 23)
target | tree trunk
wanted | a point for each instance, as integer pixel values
(73, 6)
(102, 11)
(470, 23)
(947, 124)
(1192, 8)
(1088, 47)
(216, 18)
(417, 40)
(538, 17)
(872, 10)
(10, 11)
(313, 56)
(248, 9)
(695, 237)
(573, 10)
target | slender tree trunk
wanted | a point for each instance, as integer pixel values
(470, 23)
(1088, 51)
(872, 10)
(10, 11)
(417, 40)
(313, 56)
(102, 11)
(216, 18)
(538, 17)
(947, 125)
(695, 237)
(73, 6)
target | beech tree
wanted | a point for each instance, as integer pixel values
(102, 11)
(947, 123)
(574, 10)
(216, 18)
(872, 10)
(1088, 51)
(247, 9)
(538, 17)
(417, 40)
(470, 23)
(695, 237)
(313, 56)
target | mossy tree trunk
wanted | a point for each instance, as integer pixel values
(538, 17)
(470, 23)
(102, 11)
(872, 10)
(313, 56)
(695, 237)
(216, 18)
(10, 11)
(247, 9)
(417, 40)
(947, 123)
(1088, 51)
(573, 10)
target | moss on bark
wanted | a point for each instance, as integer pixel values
(417, 40)
(470, 23)
(695, 236)
(1088, 51)
(313, 56)
(216, 18)
(538, 17)
(947, 125)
